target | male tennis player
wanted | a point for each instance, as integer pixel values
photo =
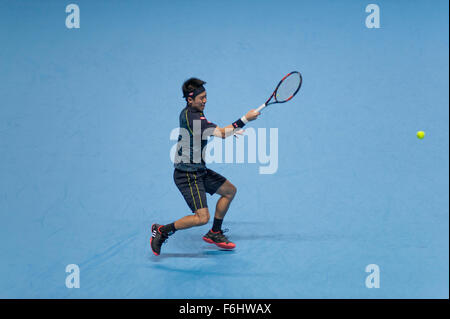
(192, 177)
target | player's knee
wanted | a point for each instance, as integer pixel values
(203, 220)
(232, 191)
(202, 217)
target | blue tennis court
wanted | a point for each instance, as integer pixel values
(86, 118)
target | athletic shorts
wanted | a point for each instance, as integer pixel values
(194, 186)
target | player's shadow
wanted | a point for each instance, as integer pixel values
(279, 237)
(208, 271)
(298, 237)
(189, 239)
(164, 256)
(202, 254)
(218, 252)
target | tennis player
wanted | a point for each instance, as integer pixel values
(191, 175)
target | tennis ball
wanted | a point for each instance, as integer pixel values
(421, 134)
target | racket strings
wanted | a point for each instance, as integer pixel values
(288, 87)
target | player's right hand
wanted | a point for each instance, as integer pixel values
(252, 115)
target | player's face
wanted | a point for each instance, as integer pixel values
(199, 102)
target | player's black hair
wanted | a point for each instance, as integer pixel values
(191, 85)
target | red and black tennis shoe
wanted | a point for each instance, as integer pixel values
(219, 239)
(158, 238)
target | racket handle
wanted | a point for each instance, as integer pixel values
(261, 107)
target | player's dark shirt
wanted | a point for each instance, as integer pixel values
(190, 142)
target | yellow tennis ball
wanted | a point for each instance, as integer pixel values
(421, 134)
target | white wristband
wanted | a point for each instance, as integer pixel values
(244, 119)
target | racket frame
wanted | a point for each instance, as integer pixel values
(276, 89)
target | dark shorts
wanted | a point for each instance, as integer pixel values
(194, 186)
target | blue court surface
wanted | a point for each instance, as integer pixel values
(86, 116)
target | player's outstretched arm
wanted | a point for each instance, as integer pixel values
(224, 132)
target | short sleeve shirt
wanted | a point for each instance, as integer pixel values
(195, 130)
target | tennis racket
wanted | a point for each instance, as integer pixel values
(286, 89)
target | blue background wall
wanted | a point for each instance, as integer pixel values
(85, 119)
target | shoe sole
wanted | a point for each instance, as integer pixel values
(151, 247)
(220, 245)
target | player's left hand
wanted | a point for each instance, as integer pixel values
(238, 132)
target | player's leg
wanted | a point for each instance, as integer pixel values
(200, 217)
(227, 192)
(192, 188)
(217, 184)
(161, 232)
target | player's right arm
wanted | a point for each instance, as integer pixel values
(224, 132)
